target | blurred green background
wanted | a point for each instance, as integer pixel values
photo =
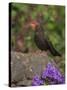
(54, 24)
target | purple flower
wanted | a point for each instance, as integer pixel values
(37, 81)
(53, 73)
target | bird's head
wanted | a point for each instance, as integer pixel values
(34, 24)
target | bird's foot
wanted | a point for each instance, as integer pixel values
(44, 53)
(38, 51)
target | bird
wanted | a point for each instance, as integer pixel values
(41, 40)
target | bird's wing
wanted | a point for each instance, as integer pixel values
(51, 48)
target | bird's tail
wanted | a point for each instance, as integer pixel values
(53, 50)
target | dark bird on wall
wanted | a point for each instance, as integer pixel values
(42, 42)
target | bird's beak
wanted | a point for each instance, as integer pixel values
(33, 24)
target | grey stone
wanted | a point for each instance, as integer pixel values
(25, 66)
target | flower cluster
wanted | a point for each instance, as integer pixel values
(53, 75)
(37, 81)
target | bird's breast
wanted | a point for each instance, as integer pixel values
(40, 41)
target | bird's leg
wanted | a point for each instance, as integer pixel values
(38, 51)
(44, 53)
